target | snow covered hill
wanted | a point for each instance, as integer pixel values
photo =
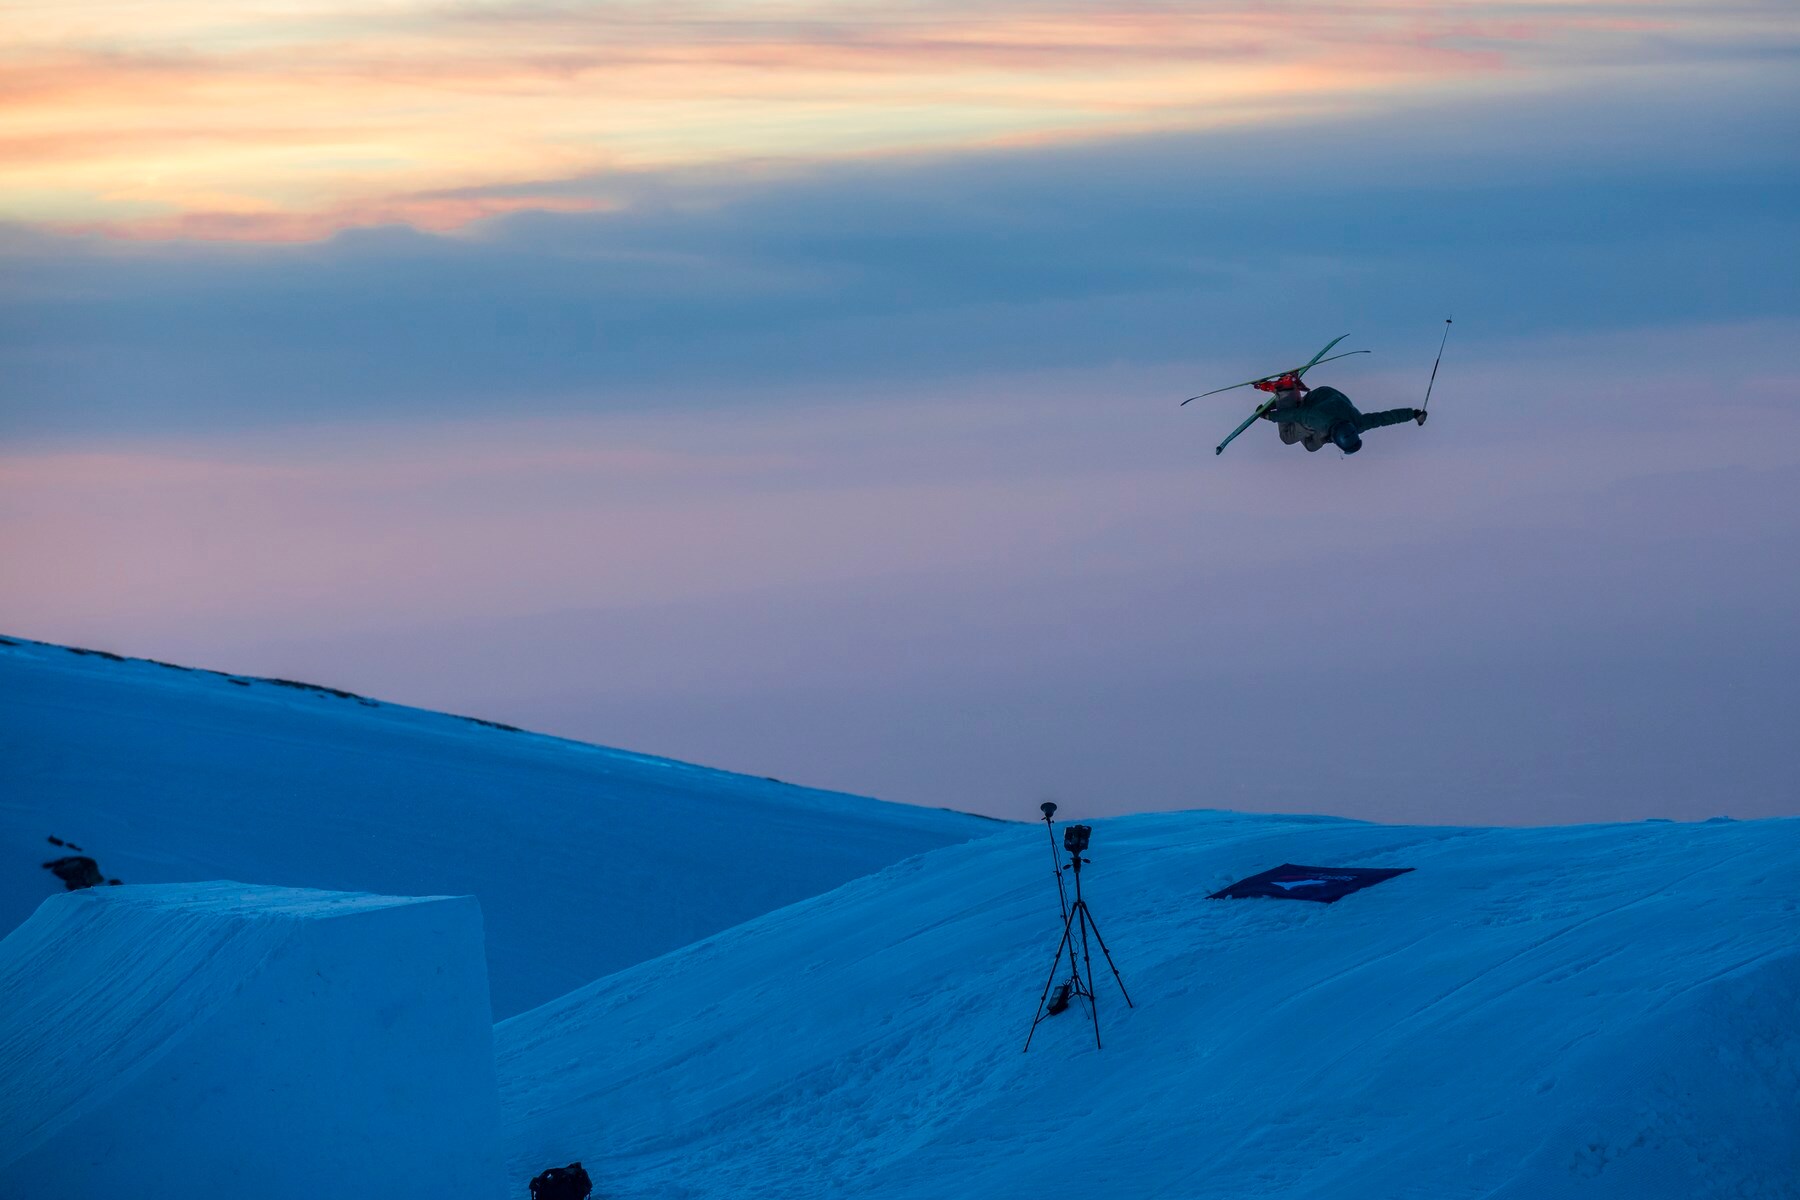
(1600, 1011)
(584, 859)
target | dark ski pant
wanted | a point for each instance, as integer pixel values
(1392, 416)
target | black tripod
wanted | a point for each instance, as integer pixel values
(1075, 840)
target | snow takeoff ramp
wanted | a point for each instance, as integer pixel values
(214, 1039)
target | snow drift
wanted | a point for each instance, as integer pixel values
(1604, 1011)
(221, 1040)
(584, 859)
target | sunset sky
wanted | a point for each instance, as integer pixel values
(793, 387)
(290, 121)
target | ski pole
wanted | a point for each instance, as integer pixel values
(1434, 366)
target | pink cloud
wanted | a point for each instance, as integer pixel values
(435, 214)
(290, 129)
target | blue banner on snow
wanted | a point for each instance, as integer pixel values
(1323, 884)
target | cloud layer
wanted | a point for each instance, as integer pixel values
(290, 122)
(1591, 210)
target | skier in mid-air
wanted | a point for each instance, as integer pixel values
(1317, 416)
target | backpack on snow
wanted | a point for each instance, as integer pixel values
(562, 1183)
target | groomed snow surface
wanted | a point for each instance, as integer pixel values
(1603, 1011)
(1531, 1013)
(168, 1042)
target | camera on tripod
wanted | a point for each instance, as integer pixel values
(1077, 924)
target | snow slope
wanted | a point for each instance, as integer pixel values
(1600, 1011)
(584, 859)
(166, 1042)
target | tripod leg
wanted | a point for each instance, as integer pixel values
(1093, 1001)
(1109, 961)
(1038, 1016)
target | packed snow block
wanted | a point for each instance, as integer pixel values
(215, 1039)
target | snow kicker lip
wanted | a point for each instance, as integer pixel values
(175, 1040)
(1292, 882)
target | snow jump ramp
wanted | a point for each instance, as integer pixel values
(216, 1039)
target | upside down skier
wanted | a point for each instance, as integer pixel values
(1317, 416)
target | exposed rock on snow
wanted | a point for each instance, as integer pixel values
(168, 1042)
(76, 871)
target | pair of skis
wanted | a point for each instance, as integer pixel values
(1291, 379)
(1292, 374)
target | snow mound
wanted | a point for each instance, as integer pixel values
(1601, 1011)
(584, 859)
(221, 1040)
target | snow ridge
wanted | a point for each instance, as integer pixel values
(584, 859)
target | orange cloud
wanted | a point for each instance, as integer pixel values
(293, 121)
(435, 214)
